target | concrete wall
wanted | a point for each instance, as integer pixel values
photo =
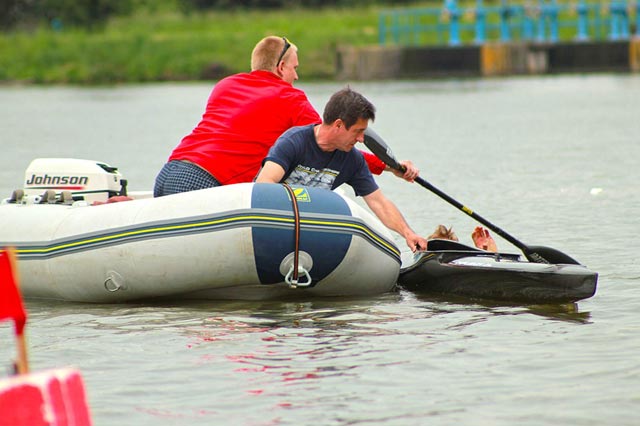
(368, 62)
(490, 59)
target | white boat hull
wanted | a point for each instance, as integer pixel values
(226, 242)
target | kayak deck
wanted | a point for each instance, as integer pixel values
(452, 268)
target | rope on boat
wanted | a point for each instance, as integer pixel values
(292, 277)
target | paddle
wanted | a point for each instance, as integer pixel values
(538, 254)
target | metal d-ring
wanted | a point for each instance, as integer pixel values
(114, 282)
(305, 264)
(111, 285)
(297, 283)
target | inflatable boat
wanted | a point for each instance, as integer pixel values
(245, 241)
(451, 268)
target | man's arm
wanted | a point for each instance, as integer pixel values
(391, 217)
(271, 172)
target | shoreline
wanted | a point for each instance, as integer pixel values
(488, 60)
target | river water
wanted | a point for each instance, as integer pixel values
(552, 160)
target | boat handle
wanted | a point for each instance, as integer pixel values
(110, 285)
(295, 283)
(114, 282)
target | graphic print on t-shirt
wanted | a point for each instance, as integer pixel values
(309, 176)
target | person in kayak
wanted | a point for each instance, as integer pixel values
(244, 115)
(443, 233)
(480, 236)
(322, 155)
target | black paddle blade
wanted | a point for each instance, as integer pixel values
(377, 146)
(542, 254)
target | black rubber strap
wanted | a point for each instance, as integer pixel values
(296, 218)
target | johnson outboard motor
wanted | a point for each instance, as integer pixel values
(63, 180)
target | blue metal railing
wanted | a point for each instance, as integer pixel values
(525, 20)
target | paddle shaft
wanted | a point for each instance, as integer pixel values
(539, 254)
(388, 158)
(474, 215)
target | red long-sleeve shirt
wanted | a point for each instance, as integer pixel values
(245, 114)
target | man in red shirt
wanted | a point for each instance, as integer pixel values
(245, 114)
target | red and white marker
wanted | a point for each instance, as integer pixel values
(47, 398)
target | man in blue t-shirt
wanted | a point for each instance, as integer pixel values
(323, 156)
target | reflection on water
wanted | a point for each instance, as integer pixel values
(216, 320)
(563, 312)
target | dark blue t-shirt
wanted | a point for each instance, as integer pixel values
(304, 163)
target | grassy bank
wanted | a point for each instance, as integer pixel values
(170, 46)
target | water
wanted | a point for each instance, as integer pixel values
(552, 160)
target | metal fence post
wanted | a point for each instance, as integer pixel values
(552, 7)
(481, 22)
(505, 12)
(542, 12)
(528, 22)
(624, 20)
(454, 26)
(614, 27)
(583, 23)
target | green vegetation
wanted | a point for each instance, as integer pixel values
(172, 46)
(77, 42)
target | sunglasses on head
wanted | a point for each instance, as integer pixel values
(286, 47)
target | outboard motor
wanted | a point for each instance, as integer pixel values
(85, 179)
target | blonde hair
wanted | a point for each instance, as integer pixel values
(267, 52)
(443, 233)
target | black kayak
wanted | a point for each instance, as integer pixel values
(451, 268)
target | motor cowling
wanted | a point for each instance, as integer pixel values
(86, 180)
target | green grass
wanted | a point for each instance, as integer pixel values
(170, 46)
